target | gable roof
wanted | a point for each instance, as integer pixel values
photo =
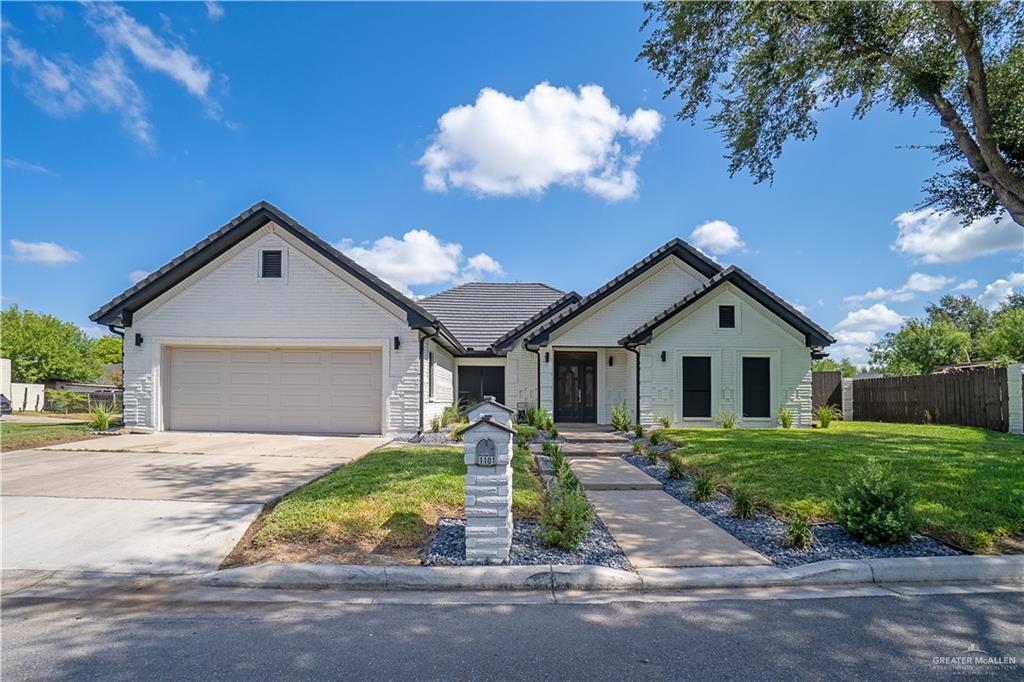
(676, 247)
(814, 335)
(506, 339)
(479, 313)
(119, 310)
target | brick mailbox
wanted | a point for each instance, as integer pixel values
(488, 456)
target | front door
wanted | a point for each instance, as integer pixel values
(575, 387)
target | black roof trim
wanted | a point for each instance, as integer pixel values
(506, 339)
(232, 233)
(676, 247)
(814, 336)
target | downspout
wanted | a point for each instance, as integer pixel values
(423, 340)
(537, 353)
(636, 351)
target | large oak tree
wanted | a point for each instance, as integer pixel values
(765, 67)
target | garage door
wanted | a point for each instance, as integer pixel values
(274, 390)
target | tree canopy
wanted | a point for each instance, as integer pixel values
(42, 347)
(107, 350)
(768, 66)
(955, 330)
(829, 365)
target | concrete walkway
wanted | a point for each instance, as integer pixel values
(653, 529)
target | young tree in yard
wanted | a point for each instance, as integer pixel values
(919, 347)
(107, 350)
(829, 365)
(771, 65)
(42, 347)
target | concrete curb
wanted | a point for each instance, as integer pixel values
(963, 569)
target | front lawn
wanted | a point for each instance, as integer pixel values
(381, 508)
(16, 436)
(969, 482)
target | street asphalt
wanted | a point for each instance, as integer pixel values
(408, 636)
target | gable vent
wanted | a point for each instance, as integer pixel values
(727, 316)
(270, 266)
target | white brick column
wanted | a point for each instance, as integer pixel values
(488, 456)
(847, 389)
(1016, 399)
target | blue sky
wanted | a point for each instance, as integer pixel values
(132, 131)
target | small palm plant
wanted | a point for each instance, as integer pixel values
(798, 532)
(785, 418)
(727, 419)
(665, 421)
(102, 416)
(826, 414)
(705, 487)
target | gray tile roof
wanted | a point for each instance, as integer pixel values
(479, 313)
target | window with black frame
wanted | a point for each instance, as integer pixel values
(477, 381)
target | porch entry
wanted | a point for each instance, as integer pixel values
(575, 386)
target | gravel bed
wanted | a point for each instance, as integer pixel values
(448, 547)
(766, 534)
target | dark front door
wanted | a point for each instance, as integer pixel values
(575, 387)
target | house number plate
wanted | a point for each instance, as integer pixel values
(485, 456)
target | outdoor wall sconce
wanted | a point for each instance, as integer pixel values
(138, 339)
(547, 356)
(611, 361)
(398, 342)
(663, 355)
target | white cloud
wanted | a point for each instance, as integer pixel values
(717, 236)
(873, 319)
(997, 292)
(45, 12)
(504, 146)
(47, 253)
(935, 237)
(860, 329)
(120, 30)
(917, 283)
(64, 87)
(966, 285)
(801, 307)
(214, 10)
(18, 164)
(418, 259)
(94, 331)
(137, 276)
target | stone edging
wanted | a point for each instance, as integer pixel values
(963, 569)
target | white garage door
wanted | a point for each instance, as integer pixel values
(274, 390)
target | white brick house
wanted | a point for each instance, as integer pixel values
(263, 326)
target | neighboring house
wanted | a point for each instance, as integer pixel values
(19, 396)
(263, 326)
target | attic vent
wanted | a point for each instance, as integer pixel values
(270, 265)
(726, 316)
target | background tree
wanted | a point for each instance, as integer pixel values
(829, 365)
(107, 350)
(770, 65)
(919, 347)
(42, 347)
(1005, 343)
(966, 314)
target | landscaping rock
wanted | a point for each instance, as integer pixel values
(766, 534)
(447, 548)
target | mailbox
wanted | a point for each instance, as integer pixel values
(485, 456)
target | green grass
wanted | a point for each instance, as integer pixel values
(14, 436)
(969, 482)
(391, 498)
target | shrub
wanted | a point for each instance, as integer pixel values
(652, 455)
(548, 447)
(876, 505)
(435, 424)
(66, 401)
(638, 430)
(727, 419)
(798, 532)
(525, 433)
(638, 448)
(825, 414)
(675, 467)
(704, 487)
(665, 421)
(452, 414)
(102, 416)
(553, 431)
(555, 454)
(743, 506)
(539, 418)
(785, 418)
(657, 437)
(620, 418)
(565, 517)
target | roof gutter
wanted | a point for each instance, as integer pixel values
(636, 351)
(535, 351)
(423, 339)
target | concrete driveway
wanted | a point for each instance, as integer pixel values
(152, 503)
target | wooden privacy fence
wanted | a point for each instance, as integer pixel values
(978, 397)
(826, 389)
